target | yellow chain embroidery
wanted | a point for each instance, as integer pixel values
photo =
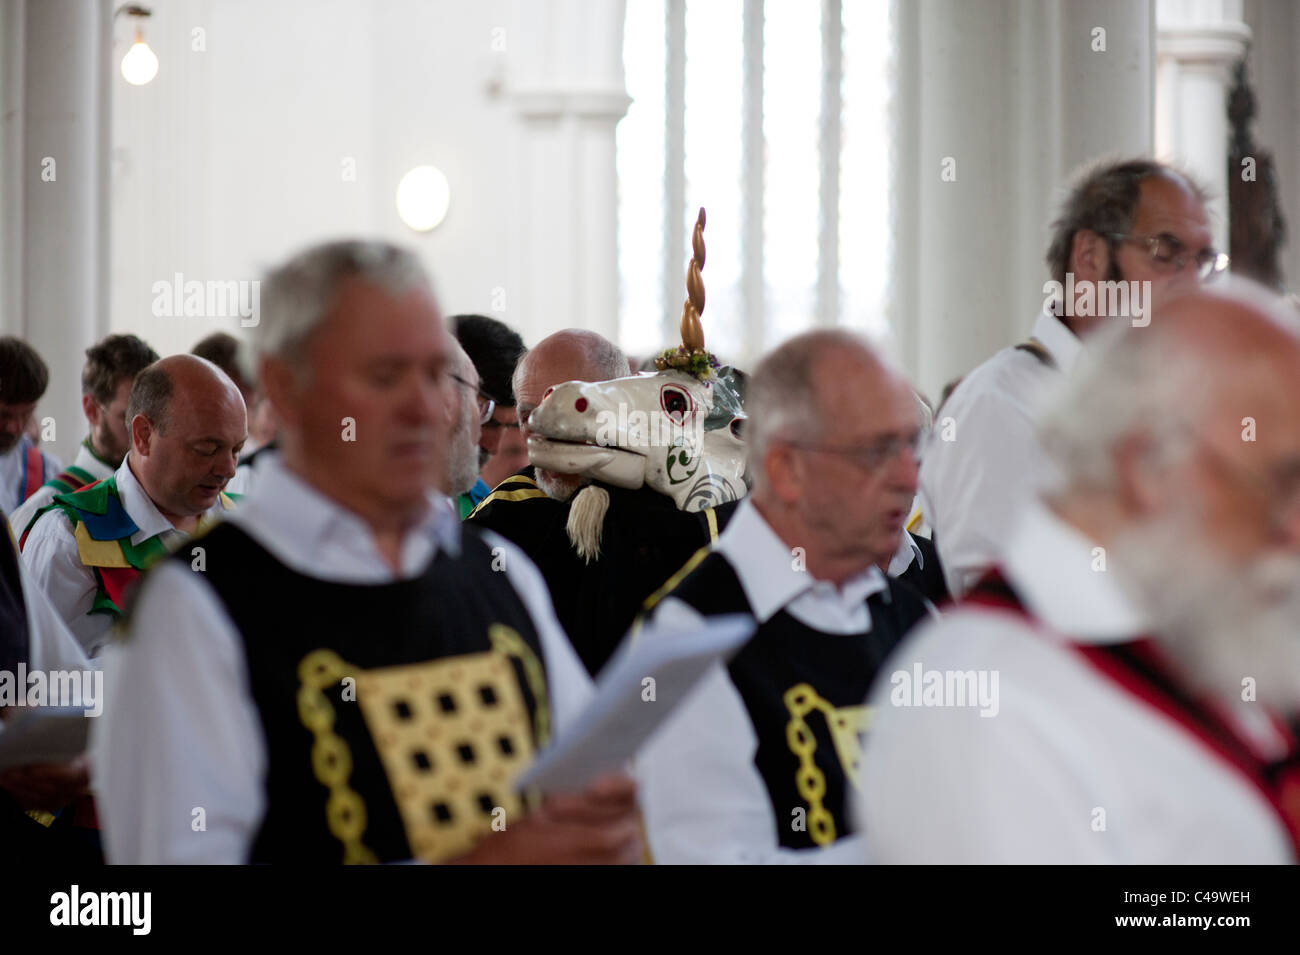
(846, 723)
(507, 641)
(331, 759)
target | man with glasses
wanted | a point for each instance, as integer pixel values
(1137, 222)
(1141, 623)
(473, 410)
(495, 349)
(759, 764)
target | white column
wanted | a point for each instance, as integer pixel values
(568, 90)
(1197, 43)
(997, 101)
(55, 253)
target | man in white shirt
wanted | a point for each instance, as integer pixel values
(274, 694)
(88, 548)
(1133, 221)
(24, 467)
(759, 763)
(1113, 691)
(106, 378)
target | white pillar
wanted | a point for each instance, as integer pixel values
(569, 92)
(1197, 43)
(55, 159)
(1008, 98)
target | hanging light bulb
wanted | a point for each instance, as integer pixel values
(140, 65)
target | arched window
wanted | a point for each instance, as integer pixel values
(775, 118)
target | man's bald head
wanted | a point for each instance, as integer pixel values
(574, 354)
(187, 378)
(188, 423)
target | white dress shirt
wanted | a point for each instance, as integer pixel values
(181, 729)
(1071, 768)
(908, 552)
(703, 799)
(87, 460)
(973, 485)
(55, 563)
(11, 473)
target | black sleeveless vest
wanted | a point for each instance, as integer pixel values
(795, 682)
(283, 617)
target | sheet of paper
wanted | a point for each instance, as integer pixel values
(619, 719)
(43, 734)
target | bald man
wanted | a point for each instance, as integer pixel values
(645, 538)
(573, 354)
(1123, 676)
(187, 425)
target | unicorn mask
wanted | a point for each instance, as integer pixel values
(677, 430)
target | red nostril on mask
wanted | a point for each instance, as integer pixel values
(548, 392)
(580, 405)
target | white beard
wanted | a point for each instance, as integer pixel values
(1220, 624)
(559, 487)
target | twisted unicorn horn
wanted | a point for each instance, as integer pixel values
(692, 330)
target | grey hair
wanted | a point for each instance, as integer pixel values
(1103, 199)
(781, 400)
(1139, 381)
(604, 357)
(1128, 382)
(296, 297)
(151, 396)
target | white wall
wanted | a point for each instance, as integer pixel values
(232, 157)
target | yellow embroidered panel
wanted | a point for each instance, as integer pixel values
(452, 735)
(848, 726)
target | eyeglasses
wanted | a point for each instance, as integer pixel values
(1169, 254)
(485, 404)
(870, 457)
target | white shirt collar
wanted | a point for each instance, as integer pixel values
(1051, 566)
(90, 462)
(767, 568)
(908, 551)
(1062, 343)
(316, 535)
(141, 508)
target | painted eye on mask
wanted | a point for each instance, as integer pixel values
(676, 403)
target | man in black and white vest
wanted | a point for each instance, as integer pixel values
(759, 763)
(345, 673)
